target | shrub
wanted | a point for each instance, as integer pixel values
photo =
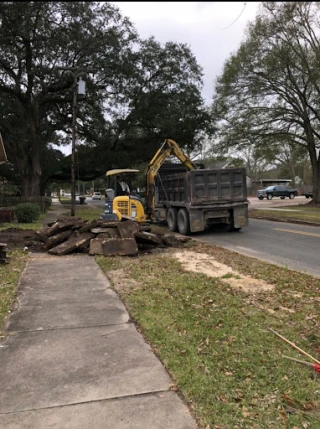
(27, 212)
(48, 202)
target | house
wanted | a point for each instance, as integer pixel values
(228, 164)
(263, 183)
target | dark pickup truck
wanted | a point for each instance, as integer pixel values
(276, 191)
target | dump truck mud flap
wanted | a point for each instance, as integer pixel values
(197, 222)
(240, 217)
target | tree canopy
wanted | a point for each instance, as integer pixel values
(138, 91)
(267, 97)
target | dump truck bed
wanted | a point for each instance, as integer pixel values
(204, 187)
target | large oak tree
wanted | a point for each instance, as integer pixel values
(268, 94)
(140, 92)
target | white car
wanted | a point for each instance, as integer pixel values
(96, 196)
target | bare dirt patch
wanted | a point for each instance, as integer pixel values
(206, 264)
(16, 238)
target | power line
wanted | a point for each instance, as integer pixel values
(244, 6)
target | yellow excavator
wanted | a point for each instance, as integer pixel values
(131, 206)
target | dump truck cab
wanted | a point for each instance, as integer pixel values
(118, 206)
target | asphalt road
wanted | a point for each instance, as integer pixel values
(290, 245)
(294, 246)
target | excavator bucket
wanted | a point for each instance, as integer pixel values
(3, 155)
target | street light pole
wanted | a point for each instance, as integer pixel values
(76, 71)
(73, 150)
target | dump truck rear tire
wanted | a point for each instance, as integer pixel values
(183, 222)
(172, 219)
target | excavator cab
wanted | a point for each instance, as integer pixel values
(118, 206)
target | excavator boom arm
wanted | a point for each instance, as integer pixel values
(169, 147)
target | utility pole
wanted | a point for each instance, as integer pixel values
(76, 71)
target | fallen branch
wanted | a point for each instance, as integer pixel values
(298, 360)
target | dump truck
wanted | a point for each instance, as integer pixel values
(192, 200)
(188, 201)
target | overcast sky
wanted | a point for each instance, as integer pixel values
(206, 26)
(202, 25)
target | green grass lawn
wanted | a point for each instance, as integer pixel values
(67, 200)
(9, 279)
(34, 225)
(304, 213)
(11, 272)
(84, 211)
(215, 342)
(88, 213)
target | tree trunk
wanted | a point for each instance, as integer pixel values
(43, 188)
(30, 186)
(315, 161)
(293, 173)
(31, 181)
(316, 180)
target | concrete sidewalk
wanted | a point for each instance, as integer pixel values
(57, 209)
(75, 360)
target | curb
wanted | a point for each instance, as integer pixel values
(298, 222)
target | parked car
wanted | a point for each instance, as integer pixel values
(96, 196)
(308, 194)
(277, 191)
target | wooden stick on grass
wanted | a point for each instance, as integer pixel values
(299, 361)
(294, 346)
